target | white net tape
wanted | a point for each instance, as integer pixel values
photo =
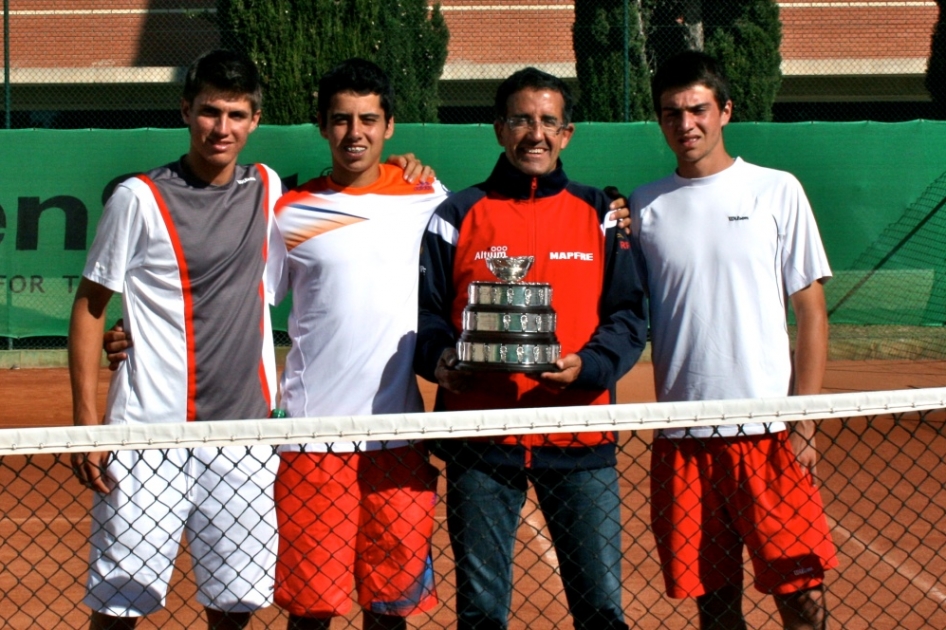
(419, 426)
(881, 474)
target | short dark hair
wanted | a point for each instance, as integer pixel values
(227, 71)
(690, 68)
(532, 79)
(359, 76)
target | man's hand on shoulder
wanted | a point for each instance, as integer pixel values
(115, 341)
(620, 211)
(570, 368)
(414, 170)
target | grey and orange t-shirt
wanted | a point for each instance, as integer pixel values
(190, 260)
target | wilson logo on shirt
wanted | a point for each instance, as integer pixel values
(738, 218)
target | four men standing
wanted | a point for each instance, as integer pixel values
(681, 254)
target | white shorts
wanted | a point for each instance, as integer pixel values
(221, 497)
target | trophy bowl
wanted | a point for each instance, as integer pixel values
(511, 269)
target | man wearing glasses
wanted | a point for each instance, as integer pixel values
(528, 207)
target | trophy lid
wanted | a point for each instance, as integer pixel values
(510, 269)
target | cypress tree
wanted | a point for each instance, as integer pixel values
(295, 41)
(675, 26)
(745, 36)
(598, 38)
(413, 53)
(269, 33)
(936, 65)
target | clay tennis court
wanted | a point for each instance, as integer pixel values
(882, 480)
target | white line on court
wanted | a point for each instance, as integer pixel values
(929, 587)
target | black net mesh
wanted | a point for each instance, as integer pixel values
(880, 477)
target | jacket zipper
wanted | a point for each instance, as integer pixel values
(533, 187)
(535, 218)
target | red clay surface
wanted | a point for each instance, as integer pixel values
(882, 482)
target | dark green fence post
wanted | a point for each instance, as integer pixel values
(6, 61)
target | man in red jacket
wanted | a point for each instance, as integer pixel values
(528, 207)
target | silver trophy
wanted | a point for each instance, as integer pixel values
(510, 269)
(509, 325)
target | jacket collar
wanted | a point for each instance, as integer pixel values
(511, 182)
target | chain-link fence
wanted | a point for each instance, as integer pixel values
(118, 64)
(880, 478)
(880, 211)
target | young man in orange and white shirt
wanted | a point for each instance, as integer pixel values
(359, 511)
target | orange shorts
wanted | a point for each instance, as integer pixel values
(363, 517)
(709, 497)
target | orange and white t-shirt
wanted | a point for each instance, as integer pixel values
(352, 268)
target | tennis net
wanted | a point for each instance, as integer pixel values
(881, 475)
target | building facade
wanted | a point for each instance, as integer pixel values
(125, 58)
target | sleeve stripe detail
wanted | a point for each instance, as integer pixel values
(191, 413)
(445, 230)
(267, 205)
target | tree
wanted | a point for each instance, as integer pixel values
(745, 36)
(936, 65)
(675, 26)
(270, 34)
(413, 54)
(293, 42)
(613, 74)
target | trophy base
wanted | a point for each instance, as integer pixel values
(508, 352)
(530, 368)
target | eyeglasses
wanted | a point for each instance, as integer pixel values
(547, 124)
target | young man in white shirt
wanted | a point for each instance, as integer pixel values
(721, 245)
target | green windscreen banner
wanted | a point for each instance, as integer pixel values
(877, 189)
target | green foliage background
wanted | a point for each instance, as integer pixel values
(295, 41)
(599, 42)
(743, 34)
(745, 38)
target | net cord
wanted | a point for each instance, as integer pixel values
(459, 424)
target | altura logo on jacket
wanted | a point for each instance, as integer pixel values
(496, 251)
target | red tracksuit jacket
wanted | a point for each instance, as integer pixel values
(596, 294)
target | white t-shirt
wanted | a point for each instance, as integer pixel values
(352, 269)
(719, 255)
